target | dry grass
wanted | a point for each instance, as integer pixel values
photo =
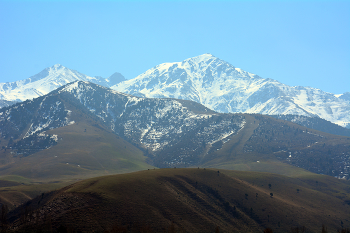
(199, 200)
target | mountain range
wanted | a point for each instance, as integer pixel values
(169, 132)
(56, 130)
(223, 88)
(46, 81)
(83, 130)
(204, 79)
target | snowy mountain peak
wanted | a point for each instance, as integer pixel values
(220, 86)
(201, 58)
(48, 80)
(57, 66)
(205, 79)
(198, 63)
(206, 60)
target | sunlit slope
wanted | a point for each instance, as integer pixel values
(194, 200)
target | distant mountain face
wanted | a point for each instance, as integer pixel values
(157, 124)
(345, 96)
(316, 123)
(204, 79)
(220, 86)
(6, 103)
(171, 132)
(46, 81)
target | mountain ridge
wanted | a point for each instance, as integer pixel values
(204, 79)
(48, 80)
(173, 132)
(222, 87)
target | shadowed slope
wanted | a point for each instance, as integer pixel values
(192, 200)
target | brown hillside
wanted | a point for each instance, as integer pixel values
(190, 200)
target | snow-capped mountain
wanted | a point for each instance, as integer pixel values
(48, 80)
(220, 86)
(170, 132)
(205, 79)
(157, 124)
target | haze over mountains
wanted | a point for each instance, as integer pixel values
(204, 79)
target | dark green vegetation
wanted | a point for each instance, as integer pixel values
(190, 200)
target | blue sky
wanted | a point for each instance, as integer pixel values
(299, 43)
